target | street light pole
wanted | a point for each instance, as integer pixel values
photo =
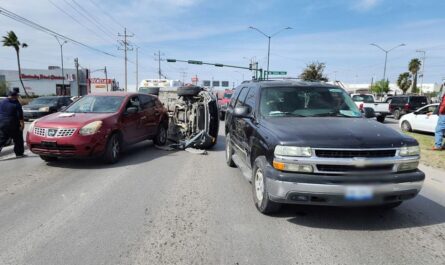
(61, 58)
(268, 46)
(386, 55)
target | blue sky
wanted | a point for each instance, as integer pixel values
(337, 33)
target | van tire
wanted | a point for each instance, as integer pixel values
(188, 91)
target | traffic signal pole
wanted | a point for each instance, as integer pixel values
(218, 65)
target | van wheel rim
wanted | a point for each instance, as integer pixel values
(115, 147)
(259, 186)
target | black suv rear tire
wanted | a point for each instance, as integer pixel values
(397, 114)
(229, 152)
(259, 188)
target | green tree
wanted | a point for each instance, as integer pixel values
(380, 87)
(404, 81)
(314, 72)
(414, 67)
(3, 88)
(11, 40)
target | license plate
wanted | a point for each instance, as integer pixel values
(49, 144)
(359, 193)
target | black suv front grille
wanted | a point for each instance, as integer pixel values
(355, 153)
(347, 168)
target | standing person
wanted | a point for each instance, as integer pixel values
(11, 123)
(440, 127)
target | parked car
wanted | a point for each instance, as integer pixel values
(381, 109)
(223, 102)
(401, 105)
(308, 143)
(99, 125)
(423, 119)
(43, 106)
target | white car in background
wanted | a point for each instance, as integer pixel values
(419, 120)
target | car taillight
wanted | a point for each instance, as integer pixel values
(360, 107)
(406, 107)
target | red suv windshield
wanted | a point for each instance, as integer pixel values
(96, 104)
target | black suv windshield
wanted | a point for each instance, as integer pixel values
(307, 102)
(96, 104)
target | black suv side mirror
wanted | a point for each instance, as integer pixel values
(131, 110)
(369, 112)
(241, 112)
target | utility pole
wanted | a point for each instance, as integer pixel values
(125, 47)
(386, 55)
(159, 59)
(423, 52)
(137, 68)
(61, 43)
(76, 63)
(184, 74)
(106, 77)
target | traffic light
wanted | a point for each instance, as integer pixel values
(219, 65)
(171, 60)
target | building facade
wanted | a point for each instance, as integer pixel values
(44, 82)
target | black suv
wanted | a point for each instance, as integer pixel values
(401, 105)
(308, 143)
(43, 106)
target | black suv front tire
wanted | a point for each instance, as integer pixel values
(259, 189)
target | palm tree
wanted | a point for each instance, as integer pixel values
(314, 72)
(404, 82)
(414, 67)
(11, 40)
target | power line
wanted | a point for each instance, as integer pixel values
(77, 21)
(94, 19)
(46, 30)
(107, 14)
(88, 19)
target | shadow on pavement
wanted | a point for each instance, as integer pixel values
(132, 155)
(418, 212)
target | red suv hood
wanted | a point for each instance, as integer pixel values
(71, 120)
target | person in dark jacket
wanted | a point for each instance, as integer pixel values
(12, 123)
(440, 127)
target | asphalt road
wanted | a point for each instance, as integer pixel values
(168, 207)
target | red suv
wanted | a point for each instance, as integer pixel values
(99, 125)
(224, 102)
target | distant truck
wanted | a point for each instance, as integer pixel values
(381, 109)
(223, 102)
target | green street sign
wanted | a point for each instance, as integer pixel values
(171, 60)
(194, 62)
(276, 72)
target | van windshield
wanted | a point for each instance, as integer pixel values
(307, 102)
(96, 104)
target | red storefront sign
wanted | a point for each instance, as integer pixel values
(41, 77)
(100, 81)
